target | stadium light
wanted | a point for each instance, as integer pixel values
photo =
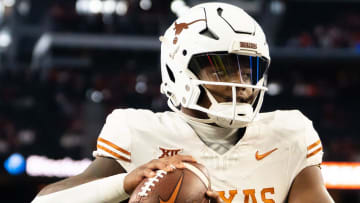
(5, 38)
(95, 6)
(15, 164)
(109, 7)
(274, 88)
(106, 7)
(145, 4)
(82, 6)
(341, 175)
(121, 8)
(9, 3)
(46, 167)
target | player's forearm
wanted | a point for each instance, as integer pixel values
(66, 184)
(109, 189)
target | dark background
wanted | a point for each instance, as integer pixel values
(63, 69)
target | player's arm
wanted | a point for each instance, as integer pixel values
(100, 168)
(309, 187)
(102, 181)
(106, 181)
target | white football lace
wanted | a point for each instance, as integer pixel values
(147, 185)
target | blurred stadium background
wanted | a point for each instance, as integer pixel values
(66, 64)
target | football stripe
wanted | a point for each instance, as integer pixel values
(113, 146)
(313, 145)
(314, 152)
(113, 153)
(199, 173)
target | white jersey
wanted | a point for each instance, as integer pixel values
(260, 167)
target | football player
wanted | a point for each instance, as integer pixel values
(214, 63)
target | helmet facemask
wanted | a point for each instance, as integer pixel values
(234, 85)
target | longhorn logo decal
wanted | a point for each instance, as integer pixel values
(181, 27)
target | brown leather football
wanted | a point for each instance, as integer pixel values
(187, 185)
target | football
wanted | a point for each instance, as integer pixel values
(187, 185)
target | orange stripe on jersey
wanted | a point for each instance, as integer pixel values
(113, 153)
(313, 145)
(114, 146)
(313, 153)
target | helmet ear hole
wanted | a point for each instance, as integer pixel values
(184, 52)
(170, 73)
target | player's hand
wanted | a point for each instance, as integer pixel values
(214, 197)
(147, 170)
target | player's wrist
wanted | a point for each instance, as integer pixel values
(126, 186)
(131, 180)
(118, 181)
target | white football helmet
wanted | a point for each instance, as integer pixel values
(226, 42)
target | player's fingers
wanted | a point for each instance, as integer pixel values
(214, 197)
(169, 164)
(148, 173)
(177, 160)
(187, 158)
(159, 164)
(135, 177)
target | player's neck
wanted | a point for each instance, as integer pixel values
(202, 115)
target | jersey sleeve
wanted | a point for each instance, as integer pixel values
(310, 147)
(114, 140)
(313, 146)
(307, 149)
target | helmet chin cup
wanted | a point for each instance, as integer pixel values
(243, 114)
(230, 114)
